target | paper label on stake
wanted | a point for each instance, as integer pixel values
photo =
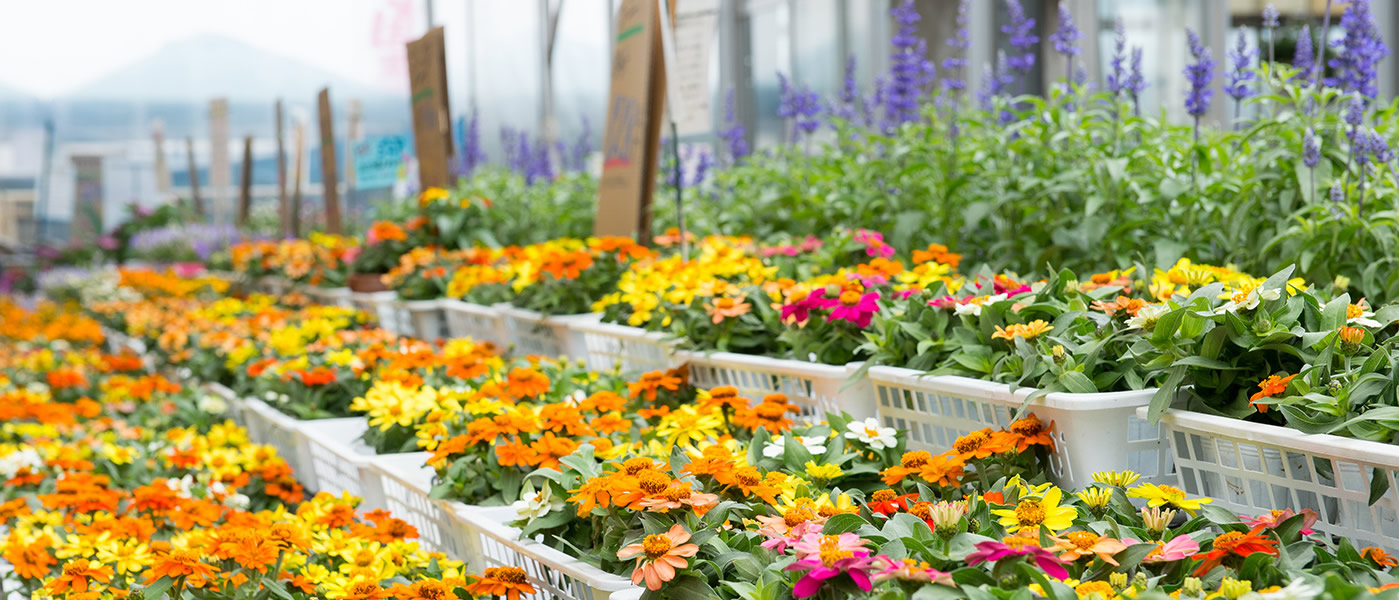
(379, 160)
(696, 24)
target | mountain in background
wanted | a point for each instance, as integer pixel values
(209, 65)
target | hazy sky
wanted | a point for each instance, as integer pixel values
(53, 46)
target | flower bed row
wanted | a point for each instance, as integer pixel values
(840, 470)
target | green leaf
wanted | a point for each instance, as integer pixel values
(1077, 382)
(158, 588)
(843, 523)
(1333, 315)
(1167, 325)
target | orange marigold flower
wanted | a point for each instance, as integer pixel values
(31, 560)
(501, 582)
(78, 575)
(526, 383)
(1031, 431)
(651, 383)
(1379, 557)
(1268, 388)
(549, 449)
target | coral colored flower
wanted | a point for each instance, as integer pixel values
(660, 556)
(382, 231)
(1180, 547)
(1078, 544)
(888, 502)
(1031, 431)
(855, 307)
(910, 570)
(993, 552)
(1235, 544)
(725, 308)
(500, 582)
(1272, 519)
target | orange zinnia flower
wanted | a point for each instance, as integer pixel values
(1379, 557)
(317, 376)
(76, 576)
(603, 402)
(32, 560)
(1232, 543)
(726, 307)
(911, 462)
(549, 449)
(525, 383)
(365, 589)
(943, 469)
(1031, 431)
(181, 563)
(981, 444)
(661, 554)
(506, 582)
(1029, 331)
(1268, 388)
(1078, 544)
(651, 383)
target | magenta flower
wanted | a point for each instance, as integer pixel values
(801, 309)
(997, 551)
(1180, 547)
(874, 243)
(812, 244)
(1274, 518)
(779, 535)
(856, 308)
(830, 562)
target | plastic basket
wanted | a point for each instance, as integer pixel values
(339, 460)
(1092, 432)
(236, 405)
(267, 425)
(473, 321)
(1252, 468)
(273, 285)
(405, 481)
(329, 296)
(817, 388)
(425, 319)
(533, 333)
(634, 350)
(554, 574)
(383, 305)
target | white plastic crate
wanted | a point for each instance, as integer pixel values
(273, 285)
(634, 350)
(554, 574)
(533, 333)
(816, 387)
(328, 296)
(339, 460)
(382, 305)
(1252, 468)
(236, 405)
(1092, 432)
(267, 425)
(474, 321)
(405, 481)
(425, 319)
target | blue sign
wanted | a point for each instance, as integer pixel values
(379, 161)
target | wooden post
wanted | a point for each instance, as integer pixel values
(296, 183)
(283, 207)
(194, 179)
(330, 180)
(245, 197)
(432, 119)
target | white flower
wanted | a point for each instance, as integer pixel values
(970, 308)
(270, 396)
(778, 445)
(23, 459)
(1146, 316)
(533, 505)
(1359, 314)
(237, 501)
(1249, 301)
(870, 432)
(213, 405)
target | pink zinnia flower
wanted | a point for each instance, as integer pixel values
(997, 551)
(779, 535)
(811, 244)
(1180, 547)
(910, 570)
(801, 309)
(831, 561)
(814, 543)
(1272, 519)
(856, 308)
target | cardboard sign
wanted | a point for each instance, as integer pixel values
(378, 160)
(432, 119)
(330, 177)
(220, 169)
(696, 22)
(632, 139)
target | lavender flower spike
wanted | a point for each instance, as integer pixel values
(1021, 30)
(734, 136)
(1358, 52)
(1302, 58)
(1066, 37)
(1136, 82)
(1270, 22)
(955, 66)
(1311, 148)
(1199, 74)
(909, 69)
(1238, 84)
(1117, 75)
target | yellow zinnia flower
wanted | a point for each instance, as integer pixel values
(1035, 511)
(1165, 495)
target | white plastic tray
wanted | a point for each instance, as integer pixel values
(1252, 468)
(425, 319)
(339, 460)
(817, 388)
(1092, 432)
(273, 285)
(473, 321)
(405, 481)
(532, 333)
(634, 350)
(383, 305)
(236, 405)
(554, 574)
(267, 425)
(329, 296)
